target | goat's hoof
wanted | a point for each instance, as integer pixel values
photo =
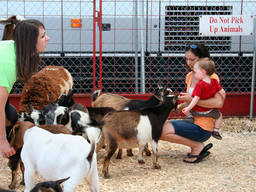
(157, 166)
(22, 183)
(106, 175)
(12, 186)
(141, 162)
(129, 153)
(119, 156)
(148, 153)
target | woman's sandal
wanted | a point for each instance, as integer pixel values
(216, 135)
(205, 149)
(199, 157)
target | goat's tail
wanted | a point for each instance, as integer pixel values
(90, 155)
(93, 134)
(96, 94)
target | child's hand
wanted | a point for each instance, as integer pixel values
(185, 111)
(181, 106)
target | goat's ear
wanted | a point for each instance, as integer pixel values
(169, 91)
(96, 94)
(12, 133)
(31, 108)
(62, 180)
(5, 22)
(70, 93)
(49, 107)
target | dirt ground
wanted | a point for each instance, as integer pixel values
(231, 166)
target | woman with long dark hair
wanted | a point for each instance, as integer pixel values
(19, 60)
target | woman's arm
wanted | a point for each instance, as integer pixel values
(3, 100)
(215, 102)
(5, 148)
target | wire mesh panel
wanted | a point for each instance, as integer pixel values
(143, 42)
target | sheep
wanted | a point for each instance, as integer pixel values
(131, 128)
(10, 24)
(47, 186)
(120, 103)
(45, 87)
(42, 150)
(17, 143)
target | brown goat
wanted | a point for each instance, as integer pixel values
(16, 142)
(118, 103)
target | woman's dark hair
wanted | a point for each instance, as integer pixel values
(200, 50)
(27, 57)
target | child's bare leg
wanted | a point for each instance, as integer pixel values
(216, 132)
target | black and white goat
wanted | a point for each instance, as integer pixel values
(46, 186)
(133, 128)
(118, 103)
(56, 112)
(49, 186)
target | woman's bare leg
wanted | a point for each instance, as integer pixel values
(168, 134)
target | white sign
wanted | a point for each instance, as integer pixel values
(225, 25)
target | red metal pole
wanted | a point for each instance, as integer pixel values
(97, 17)
(94, 44)
(100, 43)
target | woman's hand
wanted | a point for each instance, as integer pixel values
(185, 97)
(185, 111)
(5, 148)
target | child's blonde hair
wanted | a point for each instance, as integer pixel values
(207, 64)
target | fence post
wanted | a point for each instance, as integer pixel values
(253, 71)
(97, 18)
(136, 46)
(142, 53)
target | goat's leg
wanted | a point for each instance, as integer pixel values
(14, 166)
(100, 144)
(93, 178)
(129, 152)
(146, 150)
(22, 168)
(154, 147)
(140, 155)
(119, 154)
(29, 176)
(111, 149)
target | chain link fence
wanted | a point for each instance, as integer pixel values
(143, 42)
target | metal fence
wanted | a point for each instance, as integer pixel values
(129, 46)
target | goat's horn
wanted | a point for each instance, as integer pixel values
(62, 180)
